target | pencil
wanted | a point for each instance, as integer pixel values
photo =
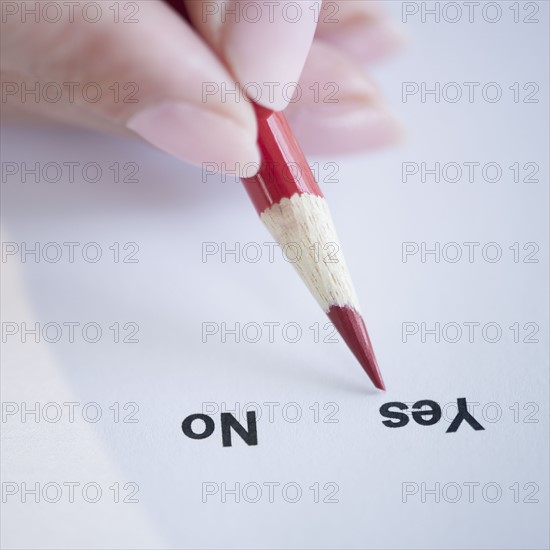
(292, 207)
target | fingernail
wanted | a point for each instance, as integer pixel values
(366, 41)
(344, 128)
(197, 136)
(268, 54)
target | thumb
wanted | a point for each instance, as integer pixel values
(147, 74)
(265, 44)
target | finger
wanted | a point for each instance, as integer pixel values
(360, 28)
(264, 44)
(149, 76)
(340, 109)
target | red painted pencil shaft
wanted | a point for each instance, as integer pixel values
(284, 170)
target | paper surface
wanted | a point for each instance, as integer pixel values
(326, 472)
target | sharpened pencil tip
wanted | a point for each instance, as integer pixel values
(352, 328)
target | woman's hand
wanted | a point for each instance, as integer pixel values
(140, 67)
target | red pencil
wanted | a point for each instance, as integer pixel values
(292, 207)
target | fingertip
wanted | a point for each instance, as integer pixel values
(264, 44)
(344, 129)
(199, 136)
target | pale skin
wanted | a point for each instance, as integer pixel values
(145, 71)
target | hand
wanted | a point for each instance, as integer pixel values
(139, 67)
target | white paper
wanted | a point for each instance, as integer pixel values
(338, 449)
